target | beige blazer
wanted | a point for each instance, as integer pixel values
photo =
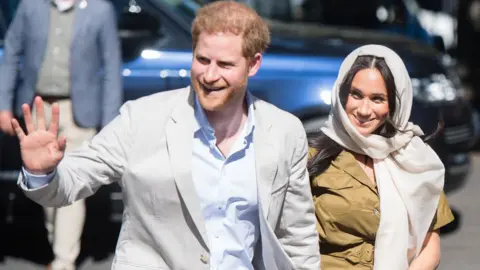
(147, 149)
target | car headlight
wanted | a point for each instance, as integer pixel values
(436, 88)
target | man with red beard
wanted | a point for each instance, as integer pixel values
(213, 178)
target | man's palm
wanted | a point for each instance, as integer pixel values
(41, 150)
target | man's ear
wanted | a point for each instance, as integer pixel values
(254, 64)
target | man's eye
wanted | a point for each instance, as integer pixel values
(226, 65)
(202, 59)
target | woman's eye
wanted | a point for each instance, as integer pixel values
(379, 100)
(356, 95)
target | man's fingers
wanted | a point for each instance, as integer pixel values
(62, 143)
(54, 123)
(18, 129)
(27, 115)
(40, 113)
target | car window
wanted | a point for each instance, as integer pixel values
(3, 26)
(154, 28)
(372, 14)
(7, 11)
(8, 8)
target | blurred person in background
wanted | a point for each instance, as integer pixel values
(70, 55)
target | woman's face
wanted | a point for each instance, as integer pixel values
(367, 102)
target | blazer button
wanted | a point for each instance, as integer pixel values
(204, 258)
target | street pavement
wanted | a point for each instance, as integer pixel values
(460, 241)
(461, 247)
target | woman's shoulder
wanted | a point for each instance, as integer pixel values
(342, 157)
(342, 160)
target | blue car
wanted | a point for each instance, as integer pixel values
(297, 73)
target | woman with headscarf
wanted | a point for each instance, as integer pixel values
(377, 186)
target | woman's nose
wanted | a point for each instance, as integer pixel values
(211, 74)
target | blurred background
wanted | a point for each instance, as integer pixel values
(439, 41)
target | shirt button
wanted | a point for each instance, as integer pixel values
(376, 212)
(204, 258)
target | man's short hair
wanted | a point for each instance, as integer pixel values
(236, 18)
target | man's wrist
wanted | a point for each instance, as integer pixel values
(33, 181)
(38, 173)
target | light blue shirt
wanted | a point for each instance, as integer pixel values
(34, 181)
(227, 189)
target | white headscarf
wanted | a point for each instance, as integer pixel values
(409, 174)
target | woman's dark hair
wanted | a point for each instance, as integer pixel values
(328, 149)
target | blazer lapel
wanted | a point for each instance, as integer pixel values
(179, 133)
(44, 18)
(42, 23)
(266, 156)
(82, 12)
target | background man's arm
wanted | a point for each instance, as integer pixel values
(13, 48)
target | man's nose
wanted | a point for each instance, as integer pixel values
(212, 74)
